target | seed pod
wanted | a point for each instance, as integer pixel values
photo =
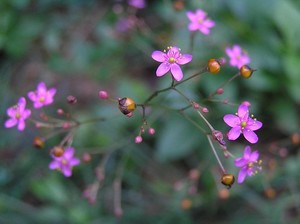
(126, 105)
(213, 66)
(38, 142)
(246, 71)
(57, 151)
(227, 180)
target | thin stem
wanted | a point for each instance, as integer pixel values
(193, 122)
(216, 155)
(206, 121)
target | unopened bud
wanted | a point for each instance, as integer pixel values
(103, 94)
(86, 157)
(38, 142)
(60, 111)
(72, 99)
(196, 105)
(227, 180)
(138, 139)
(217, 135)
(151, 131)
(220, 91)
(126, 105)
(57, 151)
(204, 110)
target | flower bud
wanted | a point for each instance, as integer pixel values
(204, 110)
(227, 180)
(138, 139)
(151, 131)
(38, 142)
(126, 105)
(57, 151)
(103, 94)
(86, 157)
(220, 91)
(186, 204)
(246, 71)
(213, 66)
(72, 99)
(196, 105)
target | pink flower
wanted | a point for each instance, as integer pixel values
(238, 57)
(199, 21)
(171, 61)
(242, 123)
(18, 114)
(249, 164)
(137, 3)
(42, 97)
(65, 162)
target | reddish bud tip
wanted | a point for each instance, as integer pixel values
(220, 91)
(129, 115)
(103, 94)
(151, 131)
(57, 151)
(196, 105)
(86, 157)
(138, 139)
(60, 111)
(205, 110)
(71, 99)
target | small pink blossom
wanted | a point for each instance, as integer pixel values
(171, 61)
(151, 131)
(65, 162)
(242, 123)
(199, 21)
(42, 97)
(248, 163)
(103, 94)
(138, 139)
(139, 4)
(18, 114)
(238, 57)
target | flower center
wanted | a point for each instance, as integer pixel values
(64, 162)
(243, 124)
(172, 60)
(42, 99)
(18, 115)
(200, 21)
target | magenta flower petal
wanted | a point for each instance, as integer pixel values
(243, 111)
(199, 21)
(21, 125)
(10, 123)
(247, 152)
(176, 72)
(54, 165)
(237, 56)
(11, 111)
(74, 161)
(68, 153)
(163, 69)
(254, 125)
(234, 133)
(42, 97)
(232, 120)
(254, 156)
(41, 88)
(250, 136)
(184, 59)
(240, 162)
(159, 56)
(242, 175)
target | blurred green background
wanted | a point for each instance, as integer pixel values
(82, 46)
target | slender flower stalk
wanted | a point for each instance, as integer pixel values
(215, 153)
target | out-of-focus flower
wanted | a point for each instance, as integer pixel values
(18, 114)
(65, 162)
(41, 97)
(171, 60)
(248, 163)
(199, 21)
(137, 3)
(242, 123)
(238, 57)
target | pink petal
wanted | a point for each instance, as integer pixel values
(184, 59)
(243, 111)
(52, 92)
(250, 136)
(26, 113)
(247, 153)
(32, 96)
(37, 104)
(234, 133)
(41, 88)
(200, 14)
(229, 52)
(67, 171)
(193, 26)
(54, 165)
(254, 156)
(240, 162)
(159, 56)
(204, 30)
(10, 122)
(191, 16)
(232, 120)
(254, 124)
(21, 125)
(176, 72)
(162, 69)
(22, 104)
(74, 162)
(209, 23)
(11, 112)
(242, 175)
(237, 50)
(69, 152)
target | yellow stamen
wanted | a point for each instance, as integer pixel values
(172, 60)
(243, 124)
(42, 99)
(18, 115)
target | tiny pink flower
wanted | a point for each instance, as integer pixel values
(151, 131)
(171, 61)
(138, 139)
(242, 123)
(103, 94)
(65, 162)
(42, 97)
(238, 57)
(18, 114)
(199, 21)
(248, 163)
(139, 4)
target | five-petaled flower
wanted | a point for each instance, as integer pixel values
(41, 96)
(248, 163)
(65, 162)
(170, 61)
(238, 57)
(137, 3)
(199, 21)
(242, 123)
(18, 114)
